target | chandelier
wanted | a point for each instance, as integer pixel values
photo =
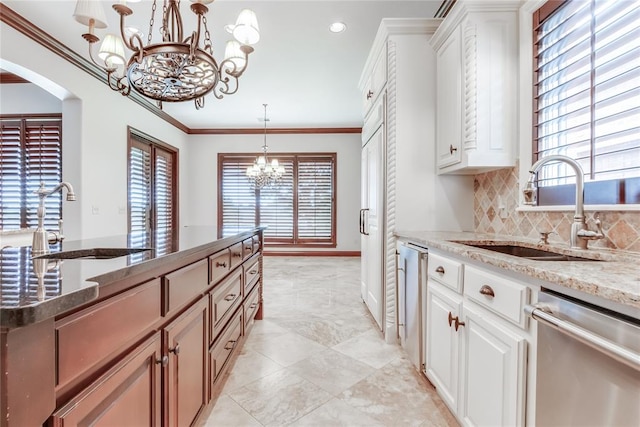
(177, 68)
(263, 173)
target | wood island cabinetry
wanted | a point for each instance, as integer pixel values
(152, 352)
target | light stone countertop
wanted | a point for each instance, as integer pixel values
(615, 277)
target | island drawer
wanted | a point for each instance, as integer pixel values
(225, 298)
(251, 274)
(256, 243)
(497, 293)
(446, 271)
(184, 285)
(247, 248)
(236, 255)
(251, 307)
(224, 346)
(219, 265)
(100, 332)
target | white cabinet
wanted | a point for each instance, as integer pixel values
(476, 118)
(492, 370)
(398, 89)
(476, 349)
(443, 342)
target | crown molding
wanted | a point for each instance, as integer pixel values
(273, 131)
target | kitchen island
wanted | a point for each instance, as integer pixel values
(148, 335)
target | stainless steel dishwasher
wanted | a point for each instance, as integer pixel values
(588, 364)
(412, 288)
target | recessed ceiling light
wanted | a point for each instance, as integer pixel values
(337, 27)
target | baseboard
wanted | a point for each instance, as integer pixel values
(312, 253)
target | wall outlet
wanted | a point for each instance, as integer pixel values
(502, 209)
(95, 210)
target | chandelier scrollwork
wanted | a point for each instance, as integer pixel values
(175, 69)
(264, 173)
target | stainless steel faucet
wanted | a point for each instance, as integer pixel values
(580, 234)
(41, 237)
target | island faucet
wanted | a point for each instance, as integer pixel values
(580, 234)
(41, 240)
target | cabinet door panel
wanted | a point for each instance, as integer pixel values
(442, 342)
(449, 101)
(185, 285)
(186, 339)
(493, 372)
(129, 394)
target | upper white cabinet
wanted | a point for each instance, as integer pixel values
(375, 82)
(476, 97)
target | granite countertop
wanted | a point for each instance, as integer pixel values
(615, 277)
(27, 297)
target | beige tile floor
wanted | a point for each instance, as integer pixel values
(318, 359)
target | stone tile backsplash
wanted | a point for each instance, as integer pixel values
(500, 188)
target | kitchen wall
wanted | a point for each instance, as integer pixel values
(501, 188)
(203, 176)
(94, 130)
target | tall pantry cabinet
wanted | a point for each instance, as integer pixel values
(400, 186)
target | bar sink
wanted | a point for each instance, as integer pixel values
(526, 252)
(93, 253)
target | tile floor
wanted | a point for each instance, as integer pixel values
(317, 358)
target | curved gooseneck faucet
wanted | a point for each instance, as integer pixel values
(580, 234)
(40, 245)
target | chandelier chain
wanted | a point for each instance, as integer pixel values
(208, 45)
(152, 21)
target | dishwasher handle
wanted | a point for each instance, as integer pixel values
(544, 315)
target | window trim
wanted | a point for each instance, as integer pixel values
(154, 143)
(298, 243)
(597, 193)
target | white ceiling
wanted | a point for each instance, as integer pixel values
(306, 74)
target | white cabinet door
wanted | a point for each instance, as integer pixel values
(372, 227)
(443, 342)
(492, 372)
(449, 101)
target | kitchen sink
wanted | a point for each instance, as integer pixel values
(526, 252)
(93, 253)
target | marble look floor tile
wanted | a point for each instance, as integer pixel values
(397, 395)
(336, 413)
(249, 366)
(280, 398)
(229, 413)
(332, 371)
(286, 349)
(370, 348)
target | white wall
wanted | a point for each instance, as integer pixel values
(21, 98)
(95, 123)
(203, 160)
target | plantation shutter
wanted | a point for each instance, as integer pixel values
(140, 188)
(164, 203)
(315, 198)
(31, 151)
(238, 197)
(588, 90)
(277, 206)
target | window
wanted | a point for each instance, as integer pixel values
(587, 99)
(152, 192)
(301, 211)
(30, 152)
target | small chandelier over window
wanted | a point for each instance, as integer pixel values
(264, 173)
(177, 68)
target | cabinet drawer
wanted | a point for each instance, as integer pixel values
(256, 243)
(111, 324)
(223, 348)
(251, 274)
(251, 307)
(225, 298)
(185, 285)
(219, 265)
(247, 248)
(445, 271)
(236, 255)
(499, 294)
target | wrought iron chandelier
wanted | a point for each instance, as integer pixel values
(264, 173)
(177, 68)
